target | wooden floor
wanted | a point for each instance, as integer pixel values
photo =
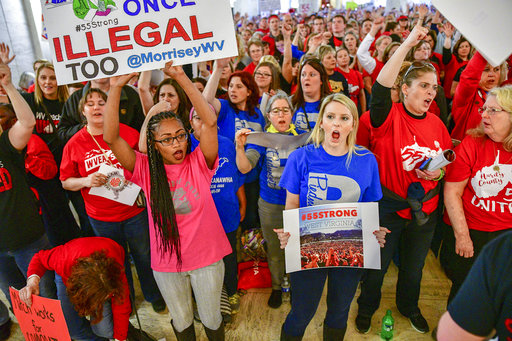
(256, 321)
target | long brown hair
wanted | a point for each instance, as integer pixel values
(93, 280)
(298, 98)
(252, 100)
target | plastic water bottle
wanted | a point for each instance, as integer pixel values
(388, 326)
(285, 288)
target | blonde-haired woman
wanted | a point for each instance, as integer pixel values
(331, 170)
(479, 185)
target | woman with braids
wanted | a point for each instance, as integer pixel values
(187, 238)
(91, 282)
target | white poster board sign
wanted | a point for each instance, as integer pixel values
(338, 235)
(486, 25)
(93, 39)
(308, 6)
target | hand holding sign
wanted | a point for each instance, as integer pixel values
(174, 72)
(122, 80)
(283, 237)
(32, 288)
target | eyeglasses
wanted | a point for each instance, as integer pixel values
(418, 65)
(261, 74)
(169, 141)
(285, 110)
(490, 111)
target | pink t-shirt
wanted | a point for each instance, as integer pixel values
(203, 240)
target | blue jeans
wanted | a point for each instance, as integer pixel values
(132, 233)
(307, 287)
(79, 327)
(14, 266)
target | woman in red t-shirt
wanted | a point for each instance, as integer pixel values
(405, 135)
(354, 79)
(478, 188)
(83, 155)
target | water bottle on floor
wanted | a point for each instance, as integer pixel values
(388, 326)
(285, 288)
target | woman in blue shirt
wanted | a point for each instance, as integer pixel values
(272, 196)
(331, 170)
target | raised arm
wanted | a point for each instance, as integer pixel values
(121, 149)
(155, 109)
(363, 52)
(144, 91)
(211, 87)
(209, 141)
(287, 55)
(447, 52)
(20, 132)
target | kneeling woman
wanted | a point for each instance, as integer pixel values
(353, 171)
(91, 282)
(187, 238)
(272, 197)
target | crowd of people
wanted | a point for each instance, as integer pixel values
(380, 91)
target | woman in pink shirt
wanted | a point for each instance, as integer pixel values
(187, 239)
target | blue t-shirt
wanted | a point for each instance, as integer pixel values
(272, 162)
(299, 117)
(319, 178)
(230, 122)
(225, 183)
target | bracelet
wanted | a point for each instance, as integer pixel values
(440, 175)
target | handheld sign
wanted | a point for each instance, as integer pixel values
(44, 320)
(93, 39)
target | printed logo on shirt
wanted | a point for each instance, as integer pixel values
(488, 182)
(239, 124)
(43, 125)
(94, 158)
(5, 179)
(353, 88)
(325, 188)
(414, 154)
(276, 160)
(222, 162)
(302, 123)
(336, 86)
(218, 182)
(182, 201)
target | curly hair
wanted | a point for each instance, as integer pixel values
(93, 280)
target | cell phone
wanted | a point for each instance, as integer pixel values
(425, 164)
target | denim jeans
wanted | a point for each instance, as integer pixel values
(4, 314)
(132, 233)
(14, 266)
(205, 282)
(271, 217)
(413, 242)
(307, 287)
(79, 327)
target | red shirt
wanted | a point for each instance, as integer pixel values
(364, 131)
(82, 157)
(487, 197)
(355, 83)
(271, 43)
(62, 258)
(468, 98)
(250, 68)
(401, 144)
(378, 66)
(450, 70)
(39, 159)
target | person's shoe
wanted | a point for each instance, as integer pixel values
(333, 334)
(363, 324)
(159, 306)
(5, 330)
(275, 300)
(419, 323)
(215, 335)
(234, 302)
(189, 334)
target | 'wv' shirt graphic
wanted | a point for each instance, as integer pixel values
(327, 188)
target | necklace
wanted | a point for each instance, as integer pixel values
(496, 167)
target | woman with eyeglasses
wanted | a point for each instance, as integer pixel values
(272, 197)
(267, 78)
(187, 239)
(404, 136)
(478, 187)
(313, 86)
(83, 155)
(478, 78)
(333, 169)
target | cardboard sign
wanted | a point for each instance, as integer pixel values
(117, 188)
(93, 39)
(339, 235)
(44, 320)
(486, 25)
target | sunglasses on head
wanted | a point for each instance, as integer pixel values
(418, 65)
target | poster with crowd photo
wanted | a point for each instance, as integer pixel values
(339, 235)
(93, 39)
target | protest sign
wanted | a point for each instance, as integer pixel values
(44, 320)
(339, 235)
(486, 25)
(101, 38)
(116, 188)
